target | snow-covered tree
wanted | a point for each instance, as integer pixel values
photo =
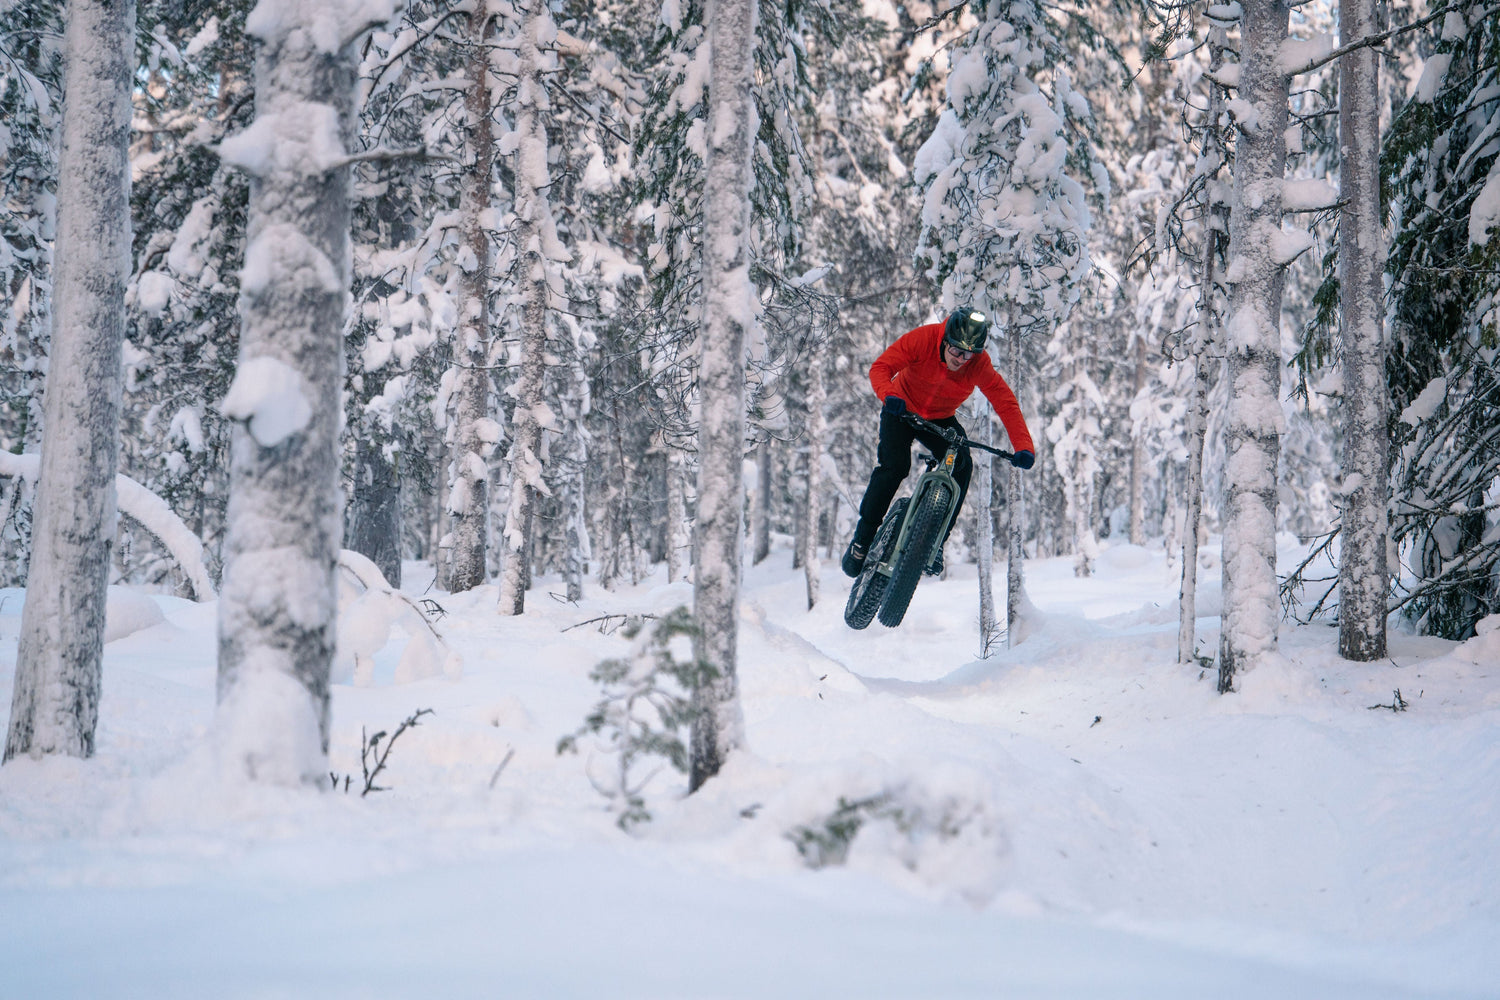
(55, 702)
(729, 310)
(30, 89)
(278, 605)
(189, 209)
(1187, 252)
(1258, 255)
(539, 253)
(1364, 580)
(1004, 220)
(472, 429)
(1442, 167)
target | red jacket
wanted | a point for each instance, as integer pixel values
(913, 369)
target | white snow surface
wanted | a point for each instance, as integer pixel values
(1122, 830)
(271, 397)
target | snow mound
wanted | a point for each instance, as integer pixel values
(1484, 648)
(1126, 557)
(127, 611)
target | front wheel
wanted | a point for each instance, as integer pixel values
(926, 531)
(869, 586)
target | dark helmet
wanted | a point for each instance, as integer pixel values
(967, 329)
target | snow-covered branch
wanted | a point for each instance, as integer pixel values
(147, 509)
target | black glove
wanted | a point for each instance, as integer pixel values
(1023, 460)
(894, 405)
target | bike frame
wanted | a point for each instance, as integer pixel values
(939, 470)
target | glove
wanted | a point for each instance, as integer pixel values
(894, 405)
(1023, 460)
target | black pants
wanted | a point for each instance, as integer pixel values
(893, 464)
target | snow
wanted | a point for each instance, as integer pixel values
(1455, 28)
(271, 396)
(1427, 401)
(1484, 214)
(330, 24)
(297, 137)
(1308, 195)
(153, 291)
(208, 35)
(1431, 80)
(1118, 828)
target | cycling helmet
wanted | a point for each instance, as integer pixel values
(967, 329)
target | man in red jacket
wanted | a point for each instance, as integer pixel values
(931, 371)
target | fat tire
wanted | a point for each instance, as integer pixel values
(926, 528)
(869, 586)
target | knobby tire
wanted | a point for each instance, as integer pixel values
(921, 540)
(869, 586)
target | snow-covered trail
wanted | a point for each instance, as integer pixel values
(1121, 830)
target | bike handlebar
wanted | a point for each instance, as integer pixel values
(951, 435)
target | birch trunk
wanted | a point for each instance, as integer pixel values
(1364, 578)
(678, 542)
(728, 312)
(1215, 234)
(982, 492)
(760, 509)
(278, 606)
(817, 425)
(1187, 595)
(55, 702)
(1138, 455)
(1253, 415)
(536, 236)
(468, 494)
(1015, 511)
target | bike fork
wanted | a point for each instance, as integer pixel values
(930, 478)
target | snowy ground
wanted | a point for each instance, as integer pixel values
(1079, 817)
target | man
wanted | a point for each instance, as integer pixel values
(931, 371)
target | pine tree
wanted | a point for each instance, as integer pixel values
(1442, 172)
(1004, 221)
(30, 92)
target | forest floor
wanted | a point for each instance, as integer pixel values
(1077, 816)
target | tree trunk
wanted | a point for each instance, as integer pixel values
(375, 510)
(728, 312)
(1364, 578)
(760, 510)
(1197, 420)
(1215, 236)
(536, 238)
(474, 431)
(1253, 415)
(679, 544)
(812, 566)
(1015, 498)
(982, 489)
(55, 702)
(1138, 454)
(278, 606)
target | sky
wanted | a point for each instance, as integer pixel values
(1077, 816)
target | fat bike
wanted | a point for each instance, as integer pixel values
(910, 536)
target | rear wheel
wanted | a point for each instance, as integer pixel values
(926, 531)
(869, 586)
